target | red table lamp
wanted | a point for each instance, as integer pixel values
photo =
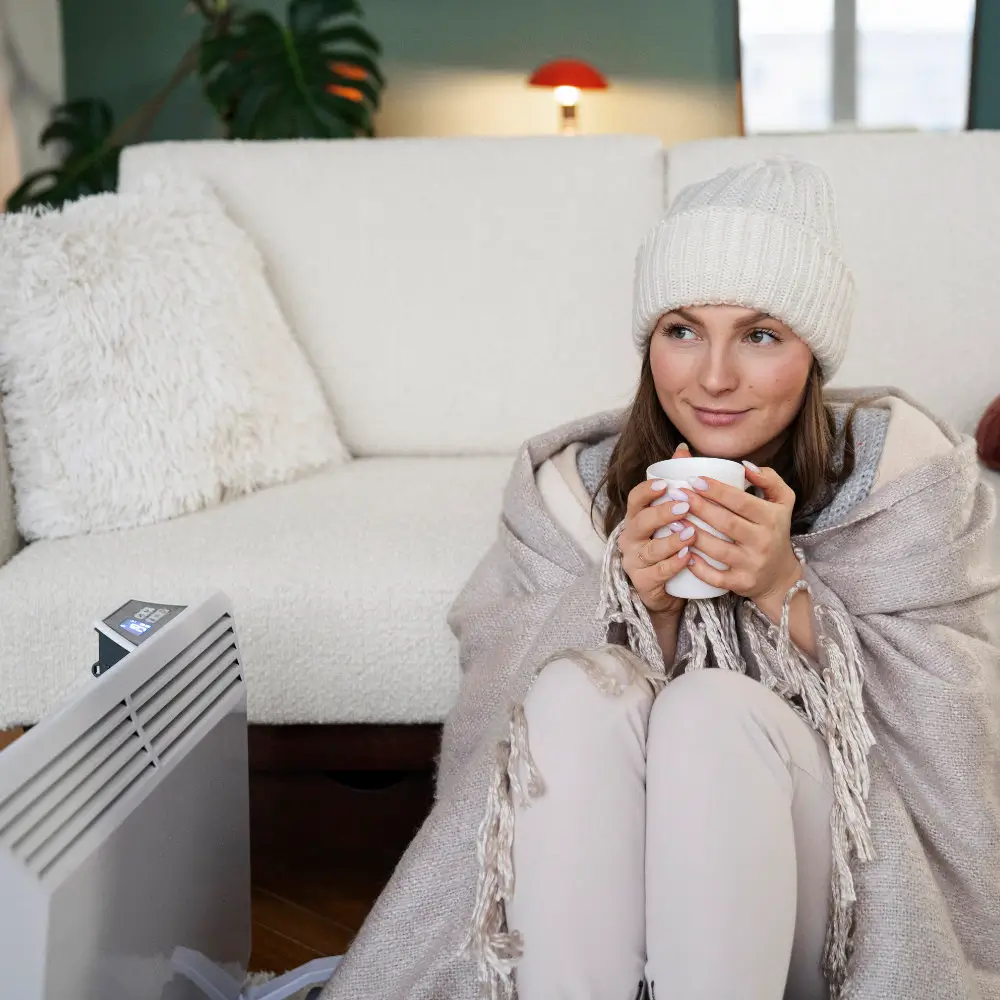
(568, 77)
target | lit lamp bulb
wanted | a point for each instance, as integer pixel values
(567, 96)
(567, 77)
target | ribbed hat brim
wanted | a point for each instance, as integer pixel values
(734, 256)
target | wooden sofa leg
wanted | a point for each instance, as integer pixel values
(7, 736)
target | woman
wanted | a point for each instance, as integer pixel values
(819, 813)
(735, 382)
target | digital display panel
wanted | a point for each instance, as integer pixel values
(135, 627)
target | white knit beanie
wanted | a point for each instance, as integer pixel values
(762, 236)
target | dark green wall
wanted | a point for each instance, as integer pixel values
(123, 50)
(984, 96)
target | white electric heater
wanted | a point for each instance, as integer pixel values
(124, 821)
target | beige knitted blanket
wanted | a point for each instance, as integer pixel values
(906, 694)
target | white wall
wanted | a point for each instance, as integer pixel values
(31, 82)
(474, 102)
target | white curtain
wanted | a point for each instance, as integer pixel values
(31, 83)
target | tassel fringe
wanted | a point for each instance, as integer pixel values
(597, 671)
(495, 948)
(619, 604)
(711, 631)
(830, 694)
(520, 758)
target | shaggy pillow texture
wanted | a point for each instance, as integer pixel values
(146, 369)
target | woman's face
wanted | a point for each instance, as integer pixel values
(731, 380)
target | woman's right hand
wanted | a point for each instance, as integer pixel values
(651, 562)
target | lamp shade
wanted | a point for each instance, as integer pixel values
(568, 73)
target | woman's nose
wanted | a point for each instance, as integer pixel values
(718, 372)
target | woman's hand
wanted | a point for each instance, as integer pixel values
(650, 562)
(762, 564)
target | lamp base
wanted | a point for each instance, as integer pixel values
(568, 121)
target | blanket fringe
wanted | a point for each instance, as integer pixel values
(710, 627)
(828, 696)
(520, 757)
(604, 680)
(620, 604)
(495, 948)
(849, 740)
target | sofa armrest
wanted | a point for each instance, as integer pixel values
(10, 540)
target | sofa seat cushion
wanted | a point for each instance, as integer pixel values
(340, 584)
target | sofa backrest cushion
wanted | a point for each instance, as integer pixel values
(455, 295)
(919, 216)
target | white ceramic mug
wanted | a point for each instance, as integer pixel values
(677, 474)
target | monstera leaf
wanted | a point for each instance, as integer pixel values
(314, 77)
(90, 157)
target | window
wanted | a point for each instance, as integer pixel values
(914, 63)
(811, 65)
(786, 65)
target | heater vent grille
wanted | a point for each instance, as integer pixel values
(172, 702)
(46, 816)
(52, 810)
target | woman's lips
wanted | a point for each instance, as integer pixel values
(719, 418)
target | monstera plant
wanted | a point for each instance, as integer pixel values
(90, 160)
(314, 76)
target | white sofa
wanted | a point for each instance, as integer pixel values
(456, 297)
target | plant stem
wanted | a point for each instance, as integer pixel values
(142, 119)
(218, 14)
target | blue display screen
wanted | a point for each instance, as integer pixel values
(136, 627)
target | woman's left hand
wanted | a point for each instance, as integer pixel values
(762, 564)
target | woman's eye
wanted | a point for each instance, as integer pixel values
(757, 337)
(680, 332)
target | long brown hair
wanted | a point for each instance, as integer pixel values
(812, 460)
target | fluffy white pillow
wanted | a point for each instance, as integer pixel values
(145, 365)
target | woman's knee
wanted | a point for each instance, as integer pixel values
(710, 712)
(695, 706)
(587, 693)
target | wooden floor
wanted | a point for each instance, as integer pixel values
(325, 840)
(306, 911)
(323, 846)
(7, 736)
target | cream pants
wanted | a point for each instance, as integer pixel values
(681, 842)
